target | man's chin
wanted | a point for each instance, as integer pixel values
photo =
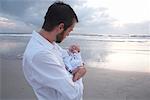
(58, 40)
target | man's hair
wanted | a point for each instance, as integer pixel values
(57, 13)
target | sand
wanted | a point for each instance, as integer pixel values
(102, 84)
(99, 83)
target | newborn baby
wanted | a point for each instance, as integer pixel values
(72, 59)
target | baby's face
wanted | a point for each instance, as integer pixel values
(74, 49)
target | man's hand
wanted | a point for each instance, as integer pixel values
(80, 72)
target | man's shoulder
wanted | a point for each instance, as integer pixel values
(34, 48)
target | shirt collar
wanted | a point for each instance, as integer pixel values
(42, 40)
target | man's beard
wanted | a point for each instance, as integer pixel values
(59, 37)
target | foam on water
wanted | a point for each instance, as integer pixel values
(99, 37)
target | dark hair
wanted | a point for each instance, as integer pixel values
(57, 13)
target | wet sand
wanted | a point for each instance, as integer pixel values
(100, 83)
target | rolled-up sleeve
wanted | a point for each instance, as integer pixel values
(49, 72)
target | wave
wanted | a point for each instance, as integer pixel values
(97, 37)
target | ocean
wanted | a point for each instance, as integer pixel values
(118, 52)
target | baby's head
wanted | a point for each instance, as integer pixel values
(74, 49)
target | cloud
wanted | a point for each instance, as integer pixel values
(28, 11)
(15, 7)
(27, 15)
(13, 26)
(139, 28)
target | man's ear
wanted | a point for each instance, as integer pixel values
(61, 27)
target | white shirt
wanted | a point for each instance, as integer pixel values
(45, 71)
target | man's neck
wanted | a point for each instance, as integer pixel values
(47, 35)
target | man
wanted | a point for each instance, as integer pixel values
(43, 65)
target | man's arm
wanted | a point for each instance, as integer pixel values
(50, 73)
(78, 73)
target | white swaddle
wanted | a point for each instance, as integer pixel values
(72, 60)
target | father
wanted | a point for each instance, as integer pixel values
(43, 65)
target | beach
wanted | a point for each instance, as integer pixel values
(117, 69)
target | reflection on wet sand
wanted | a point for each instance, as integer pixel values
(119, 83)
(123, 56)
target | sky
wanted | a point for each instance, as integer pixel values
(95, 16)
